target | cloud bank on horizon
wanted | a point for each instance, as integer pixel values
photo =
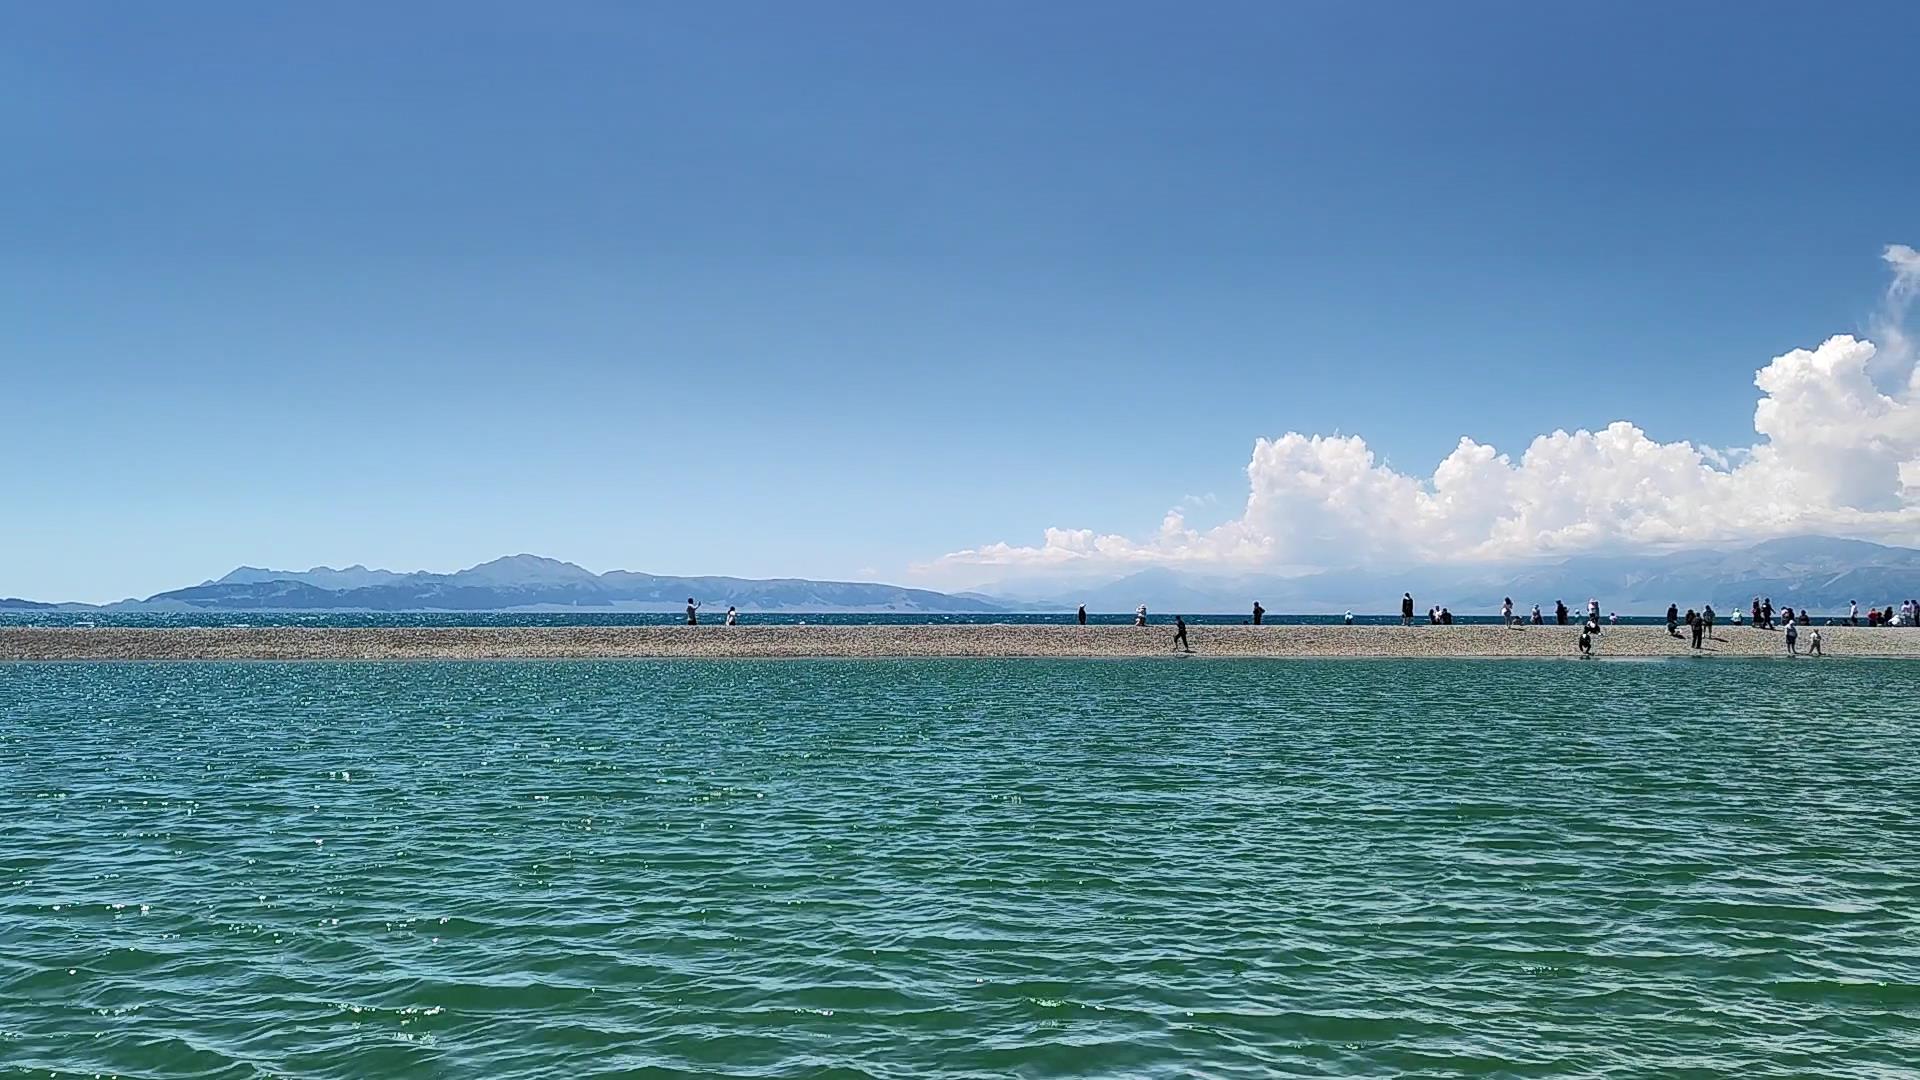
(1836, 454)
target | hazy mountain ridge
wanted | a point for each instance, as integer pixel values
(1821, 573)
(532, 582)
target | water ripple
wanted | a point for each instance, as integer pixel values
(959, 869)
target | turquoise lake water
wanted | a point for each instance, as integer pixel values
(960, 869)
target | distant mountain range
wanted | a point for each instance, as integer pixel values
(524, 583)
(1821, 573)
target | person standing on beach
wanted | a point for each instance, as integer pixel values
(693, 618)
(1706, 616)
(733, 615)
(1349, 618)
(1506, 612)
(1673, 619)
(1793, 638)
(1560, 612)
(1766, 613)
(1593, 611)
(1406, 609)
(1083, 615)
(1140, 615)
(1446, 617)
(1697, 625)
(1813, 644)
(1180, 634)
(1853, 613)
(1538, 619)
(1259, 613)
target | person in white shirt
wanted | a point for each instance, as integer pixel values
(733, 616)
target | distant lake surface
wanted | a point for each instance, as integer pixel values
(960, 869)
(662, 618)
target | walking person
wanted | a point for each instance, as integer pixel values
(1259, 613)
(1853, 613)
(1813, 643)
(1083, 615)
(693, 612)
(1406, 609)
(1180, 633)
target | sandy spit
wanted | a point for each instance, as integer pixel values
(582, 642)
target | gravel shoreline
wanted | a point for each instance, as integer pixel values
(610, 642)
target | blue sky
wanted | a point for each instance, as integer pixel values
(837, 289)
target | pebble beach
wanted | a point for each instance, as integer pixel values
(983, 641)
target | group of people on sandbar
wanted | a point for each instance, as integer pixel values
(693, 613)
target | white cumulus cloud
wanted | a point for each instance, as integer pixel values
(1834, 454)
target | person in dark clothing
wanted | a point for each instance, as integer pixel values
(1446, 617)
(1766, 613)
(1259, 613)
(1406, 609)
(1697, 625)
(1083, 615)
(1560, 612)
(1180, 633)
(1586, 642)
(693, 609)
(1673, 619)
(1706, 617)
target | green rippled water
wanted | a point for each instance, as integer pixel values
(960, 869)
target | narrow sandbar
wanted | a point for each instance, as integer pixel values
(608, 642)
